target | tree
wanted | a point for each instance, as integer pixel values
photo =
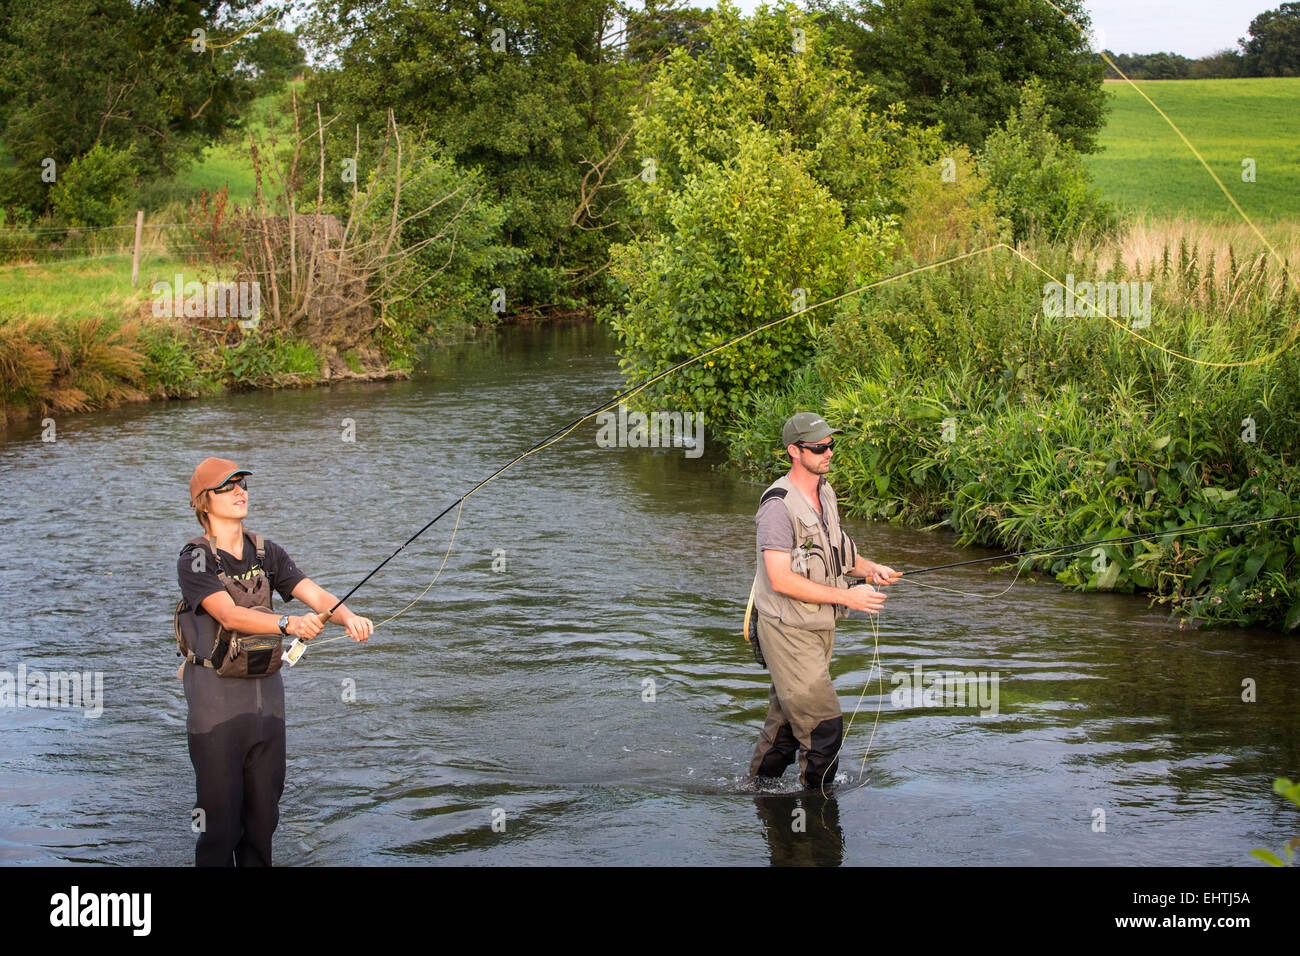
(1039, 184)
(74, 73)
(274, 55)
(767, 187)
(960, 63)
(1274, 45)
(533, 93)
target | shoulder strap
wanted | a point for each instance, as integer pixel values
(770, 494)
(260, 543)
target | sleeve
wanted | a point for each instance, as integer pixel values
(775, 533)
(284, 574)
(197, 574)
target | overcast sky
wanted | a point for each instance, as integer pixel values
(1190, 27)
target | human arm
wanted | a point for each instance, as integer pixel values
(785, 581)
(223, 609)
(318, 599)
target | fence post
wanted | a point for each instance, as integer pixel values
(135, 259)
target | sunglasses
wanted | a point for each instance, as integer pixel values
(231, 486)
(821, 449)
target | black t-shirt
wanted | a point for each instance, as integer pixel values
(198, 578)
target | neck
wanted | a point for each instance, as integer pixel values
(228, 533)
(806, 481)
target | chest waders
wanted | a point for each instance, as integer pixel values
(794, 639)
(235, 727)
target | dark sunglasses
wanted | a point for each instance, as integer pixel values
(817, 449)
(230, 486)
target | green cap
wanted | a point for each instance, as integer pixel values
(806, 426)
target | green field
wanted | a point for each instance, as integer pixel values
(1145, 166)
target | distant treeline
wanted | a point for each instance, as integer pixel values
(1273, 49)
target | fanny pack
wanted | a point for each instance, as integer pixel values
(234, 654)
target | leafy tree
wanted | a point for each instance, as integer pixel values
(531, 92)
(1039, 183)
(74, 73)
(766, 187)
(274, 55)
(1274, 45)
(960, 63)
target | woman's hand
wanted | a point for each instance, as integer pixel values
(359, 628)
(305, 627)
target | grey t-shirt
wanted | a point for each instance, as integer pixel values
(776, 532)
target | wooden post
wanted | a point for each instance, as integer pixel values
(135, 259)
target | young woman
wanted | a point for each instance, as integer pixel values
(236, 725)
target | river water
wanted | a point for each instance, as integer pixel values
(574, 689)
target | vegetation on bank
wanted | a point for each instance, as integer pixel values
(967, 399)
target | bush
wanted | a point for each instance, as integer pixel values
(739, 239)
(1039, 184)
(97, 188)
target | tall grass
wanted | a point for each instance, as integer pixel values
(966, 404)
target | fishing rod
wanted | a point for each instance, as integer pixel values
(1125, 539)
(629, 392)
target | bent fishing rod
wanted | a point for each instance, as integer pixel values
(629, 392)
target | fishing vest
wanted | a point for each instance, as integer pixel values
(822, 554)
(203, 642)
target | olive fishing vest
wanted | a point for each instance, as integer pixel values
(198, 636)
(822, 554)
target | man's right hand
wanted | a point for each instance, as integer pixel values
(306, 627)
(864, 597)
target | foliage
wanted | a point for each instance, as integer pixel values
(97, 188)
(949, 208)
(444, 286)
(1274, 45)
(964, 404)
(960, 63)
(530, 92)
(738, 240)
(1039, 184)
(74, 73)
(1283, 788)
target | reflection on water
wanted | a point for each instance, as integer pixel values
(516, 690)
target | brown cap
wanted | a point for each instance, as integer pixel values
(212, 473)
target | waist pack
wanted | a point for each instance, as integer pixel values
(234, 654)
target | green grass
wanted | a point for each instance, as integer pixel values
(68, 292)
(1146, 167)
(228, 163)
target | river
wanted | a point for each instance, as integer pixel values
(574, 690)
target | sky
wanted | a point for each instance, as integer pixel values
(1193, 28)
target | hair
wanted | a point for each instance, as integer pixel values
(201, 510)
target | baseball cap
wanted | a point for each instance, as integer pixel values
(806, 426)
(213, 473)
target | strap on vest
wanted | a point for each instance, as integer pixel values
(770, 494)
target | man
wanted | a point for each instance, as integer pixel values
(236, 726)
(800, 590)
